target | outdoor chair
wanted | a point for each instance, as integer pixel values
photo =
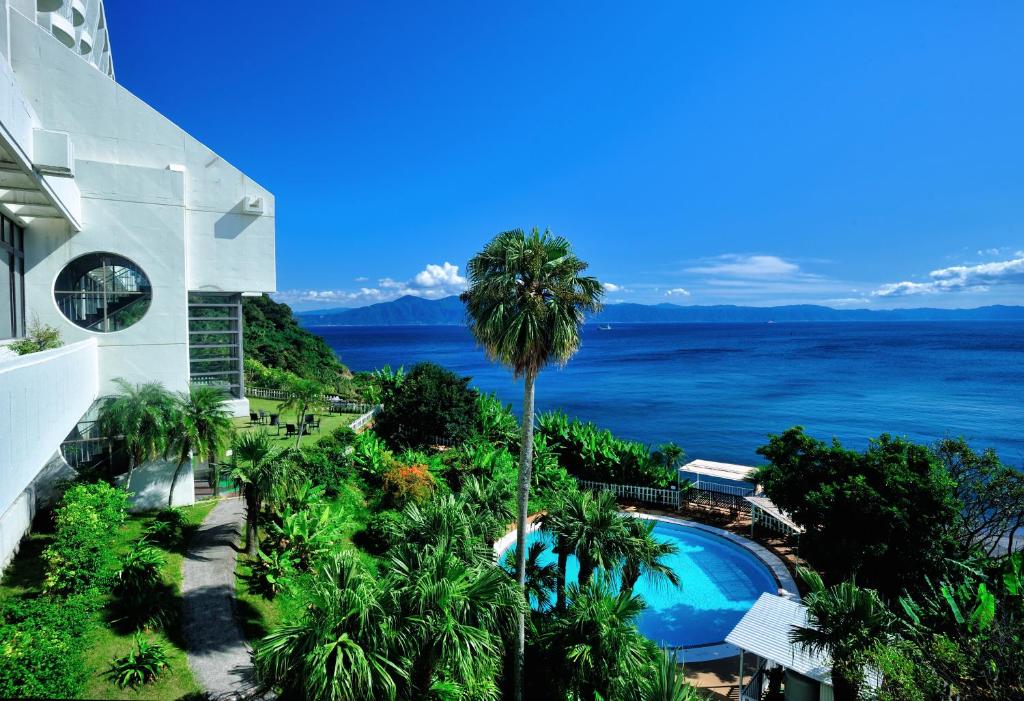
(275, 422)
(263, 416)
(290, 430)
(254, 418)
(312, 422)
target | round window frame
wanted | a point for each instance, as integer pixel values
(119, 257)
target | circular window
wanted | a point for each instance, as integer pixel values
(102, 292)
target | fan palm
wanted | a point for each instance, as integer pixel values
(201, 428)
(489, 501)
(303, 396)
(447, 520)
(345, 647)
(599, 539)
(562, 521)
(604, 653)
(844, 621)
(258, 468)
(141, 415)
(645, 554)
(541, 578)
(526, 302)
(455, 614)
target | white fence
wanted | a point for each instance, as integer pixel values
(333, 402)
(646, 495)
(366, 418)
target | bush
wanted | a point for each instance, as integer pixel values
(41, 645)
(382, 532)
(40, 337)
(140, 572)
(80, 556)
(270, 571)
(142, 665)
(408, 483)
(168, 528)
(431, 406)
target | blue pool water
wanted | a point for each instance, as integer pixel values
(720, 582)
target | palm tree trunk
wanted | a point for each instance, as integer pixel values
(563, 561)
(251, 509)
(174, 482)
(525, 469)
(630, 575)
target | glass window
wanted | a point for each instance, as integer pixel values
(12, 279)
(103, 292)
(215, 341)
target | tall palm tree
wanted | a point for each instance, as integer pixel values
(599, 540)
(346, 646)
(526, 302)
(258, 469)
(844, 621)
(643, 553)
(141, 415)
(604, 652)
(202, 428)
(541, 578)
(562, 521)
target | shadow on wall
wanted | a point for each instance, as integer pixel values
(151, 483)
(233, 223)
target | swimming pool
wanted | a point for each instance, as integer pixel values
(720, 581)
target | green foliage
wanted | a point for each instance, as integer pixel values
(541, 579)
(271, 572)
(39, 337)
(383, 531)
(371, 456)
(140, 572)
(496, 423)
(41, 645)
(168, 528)
(307, 534)
(431, 406)
(143, 416)
(275, 340)
(200, 427)
(404, 484)
(142, 665)
(886, 516)
(80, 556)
(259, 375)
(595, 454)
(668, 682)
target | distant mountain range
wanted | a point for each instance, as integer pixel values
(410, 311)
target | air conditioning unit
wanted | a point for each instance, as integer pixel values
(252, 205)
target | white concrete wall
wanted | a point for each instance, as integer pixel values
(42, 396)
(151, 483)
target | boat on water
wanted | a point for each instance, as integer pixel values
(606, 327)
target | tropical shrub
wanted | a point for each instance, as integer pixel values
(383, 531)
(495, 422)
(306, 534)
(886, 515)
(403, 484)
(168, 528)
(140, 572)
(371, 457)
(41, 645)
(142, 665)
(270, 572)
(80, 556)
(431, 406)
(591, 453)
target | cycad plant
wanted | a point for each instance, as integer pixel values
(844, 622)
(526, 302)
(201, 427)
(141, 415)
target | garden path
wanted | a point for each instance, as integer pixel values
(217, 650)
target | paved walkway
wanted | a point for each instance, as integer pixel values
(217, 651)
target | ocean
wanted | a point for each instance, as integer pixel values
(719, 390)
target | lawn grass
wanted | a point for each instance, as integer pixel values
(328, 422)
(110, 639)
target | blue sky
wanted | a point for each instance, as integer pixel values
(870, 155)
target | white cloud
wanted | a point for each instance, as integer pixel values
(733, 265)
(361, 278)
(445, 275)
(977, 278)
(433, 282)
(678, 292)
(612, 287)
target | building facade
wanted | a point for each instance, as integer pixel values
(121, 230)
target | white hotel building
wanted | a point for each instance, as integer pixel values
(119, 229)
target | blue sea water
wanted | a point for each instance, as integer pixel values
(719, 582)
(719, 389)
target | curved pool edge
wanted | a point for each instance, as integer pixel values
(713, 651)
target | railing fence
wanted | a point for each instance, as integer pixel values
(645, 495)
(336, 405)
(366, 418)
